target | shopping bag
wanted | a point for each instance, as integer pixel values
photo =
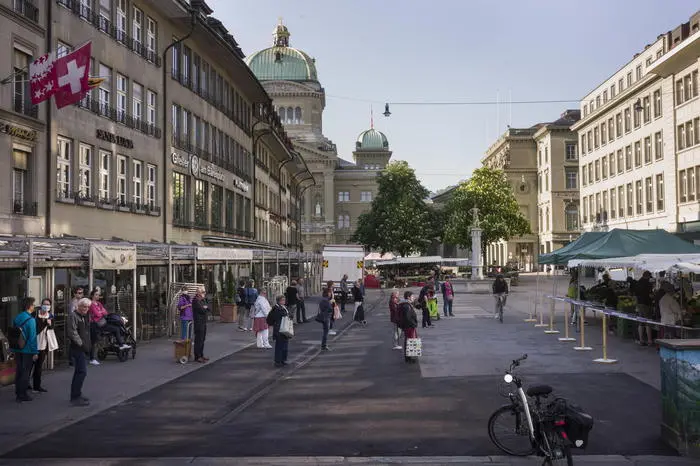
(414, 347)
(336, 313)
(287, 327)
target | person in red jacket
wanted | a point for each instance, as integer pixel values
(395, 319)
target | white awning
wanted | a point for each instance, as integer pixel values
(651, 262)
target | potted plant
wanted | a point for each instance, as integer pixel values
(229, 310)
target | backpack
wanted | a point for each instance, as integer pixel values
(16, 336)
(251, 294)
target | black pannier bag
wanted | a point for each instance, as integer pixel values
(578, 425)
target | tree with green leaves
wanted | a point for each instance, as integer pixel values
(499, 214)
(400, 220)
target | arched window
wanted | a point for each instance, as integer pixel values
(290, 115)
(282, 114)
(571, 214)
(297, 116)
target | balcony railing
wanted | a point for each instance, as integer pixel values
(107, 111)
(27, 9)
(25, 208)
(24, 106)
(108, 27)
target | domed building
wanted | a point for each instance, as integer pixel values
(343, 189)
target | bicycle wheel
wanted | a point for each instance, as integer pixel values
(508, 430)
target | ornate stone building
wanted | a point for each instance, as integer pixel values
(342, 189)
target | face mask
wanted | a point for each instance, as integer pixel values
(45, 307)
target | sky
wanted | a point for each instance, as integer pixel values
(369, 52)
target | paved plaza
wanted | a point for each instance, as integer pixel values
(358, 404)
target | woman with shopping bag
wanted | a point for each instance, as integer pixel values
(409, 325)
(279, 319)
(46, 341)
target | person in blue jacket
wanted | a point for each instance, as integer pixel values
(25, 357)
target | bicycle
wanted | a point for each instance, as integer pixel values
(549, 431)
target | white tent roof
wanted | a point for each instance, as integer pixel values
(650, 262)
(375, 256)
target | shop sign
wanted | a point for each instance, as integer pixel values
(211, 171)
(241, 185)
(109, 257)
(16, 131)
(180, 160)
(114, 139)
(227, 254)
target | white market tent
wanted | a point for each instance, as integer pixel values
(652, 262)
(376, 256)
(425, 260)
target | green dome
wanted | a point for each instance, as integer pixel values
(372, 140)
(282, 62)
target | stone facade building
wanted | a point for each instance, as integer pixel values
(341, 190)
(162, 150)
(640, 139)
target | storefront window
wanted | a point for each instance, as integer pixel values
(151, 301)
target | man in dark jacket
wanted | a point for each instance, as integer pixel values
(500, 291)
(409, 321)
(79, 336)
(644, 290)
(274, 319)
(291, 294)
(200, 308)
(358, 298)
(325, 311)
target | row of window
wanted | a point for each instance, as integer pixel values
(344, 196)
(688, 134)
(343, 221)
(687, 87)
(193, 134)
(272, 232)
(688, 185)
(622, 84)
(637, 154)
(571, 217)
(614, 127)
(194, 201)
(193, 72)
(104, 177)
(269, 199)
(112, 17)
(570, 179)
(636, 198)
(290, 116)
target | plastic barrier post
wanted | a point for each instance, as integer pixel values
(582, 346)
(551, 330)
(530, 318)
(541, 324)
(604, 359)
(566, 336)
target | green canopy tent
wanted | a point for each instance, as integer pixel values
(626, 243)
(554, 257)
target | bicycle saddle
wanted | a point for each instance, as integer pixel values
(539, 390)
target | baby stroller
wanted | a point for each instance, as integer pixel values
(107, 342)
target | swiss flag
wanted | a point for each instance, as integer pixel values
(71, 73)
(42, 78)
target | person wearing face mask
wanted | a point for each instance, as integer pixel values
(46, 342)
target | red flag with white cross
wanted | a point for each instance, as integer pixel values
(42, 78)
(72, 72)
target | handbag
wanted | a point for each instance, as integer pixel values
(336, 313)
(414, 347)
(287, 327)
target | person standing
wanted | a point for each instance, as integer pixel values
(291, 297)
(78, 294)
(79, 336)
(184, 305)
(46, 343)
(395, 318)
(325, 311)
(250, 296)
(343, 292)
(29, 353)
(643, 289)
(409, 322)
(200, 309)
(241, 304)
(301, 306)
(262, 309)
(423, 303)
(274, 319)
(500, 292)
(448, 295)
(358, 299)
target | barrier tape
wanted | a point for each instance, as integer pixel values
(615, 313)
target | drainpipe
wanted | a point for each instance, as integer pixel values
(164, 211)
(49, 139)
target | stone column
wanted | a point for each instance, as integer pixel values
(477, 266)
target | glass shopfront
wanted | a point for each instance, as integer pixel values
(13, 287)
(152, 301)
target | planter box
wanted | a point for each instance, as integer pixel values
(229, 313)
